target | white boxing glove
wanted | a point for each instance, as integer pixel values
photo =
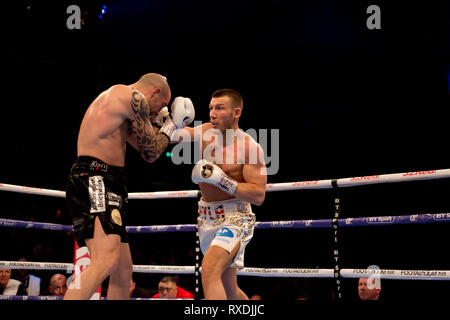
(205, 171)
(182, 112)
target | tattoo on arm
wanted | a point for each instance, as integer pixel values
(150, 144)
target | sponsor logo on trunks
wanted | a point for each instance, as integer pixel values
(219, 209)
(244, 207)
(225, 232)
(220, 212)
(213, 213)
(113, 199)
(97, 194)
(116, 218)
(99, 166)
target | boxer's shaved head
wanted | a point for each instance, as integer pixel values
(154, 80)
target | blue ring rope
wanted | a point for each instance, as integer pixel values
(290, 224)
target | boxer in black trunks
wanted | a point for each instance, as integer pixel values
(96, 192)
(106, 198)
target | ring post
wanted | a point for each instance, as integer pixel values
(335, 225)
(197, 258)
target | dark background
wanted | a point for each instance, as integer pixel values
(348, 101)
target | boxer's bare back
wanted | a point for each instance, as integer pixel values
(118, 115)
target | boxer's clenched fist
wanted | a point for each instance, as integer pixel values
(205, 171)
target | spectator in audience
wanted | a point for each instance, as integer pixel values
(369, 288)
(58, 285)
(31, 283)
(168, 289)
(10, 287)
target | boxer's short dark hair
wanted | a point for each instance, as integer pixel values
(234, 95)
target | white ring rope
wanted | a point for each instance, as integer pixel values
(285, 186)
(259, 272)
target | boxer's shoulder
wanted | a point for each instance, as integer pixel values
(113, 95)
(123, 92)
(253, 149)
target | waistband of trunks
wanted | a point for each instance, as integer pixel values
(95, 165)
(221, 209)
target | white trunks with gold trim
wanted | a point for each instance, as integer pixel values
(225, 224)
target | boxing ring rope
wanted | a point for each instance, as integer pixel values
(284, 186)
(293, 224)
(287, 224)
(264, 272)
(258, 272)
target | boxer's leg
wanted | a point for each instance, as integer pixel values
(232, 289)
(104, 250)
(119, 281)
(215, 263)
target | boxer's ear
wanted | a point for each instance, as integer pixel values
(237, 112)
(155, 90)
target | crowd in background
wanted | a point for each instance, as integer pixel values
(421, 245)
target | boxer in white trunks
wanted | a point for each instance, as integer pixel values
(231, 176)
